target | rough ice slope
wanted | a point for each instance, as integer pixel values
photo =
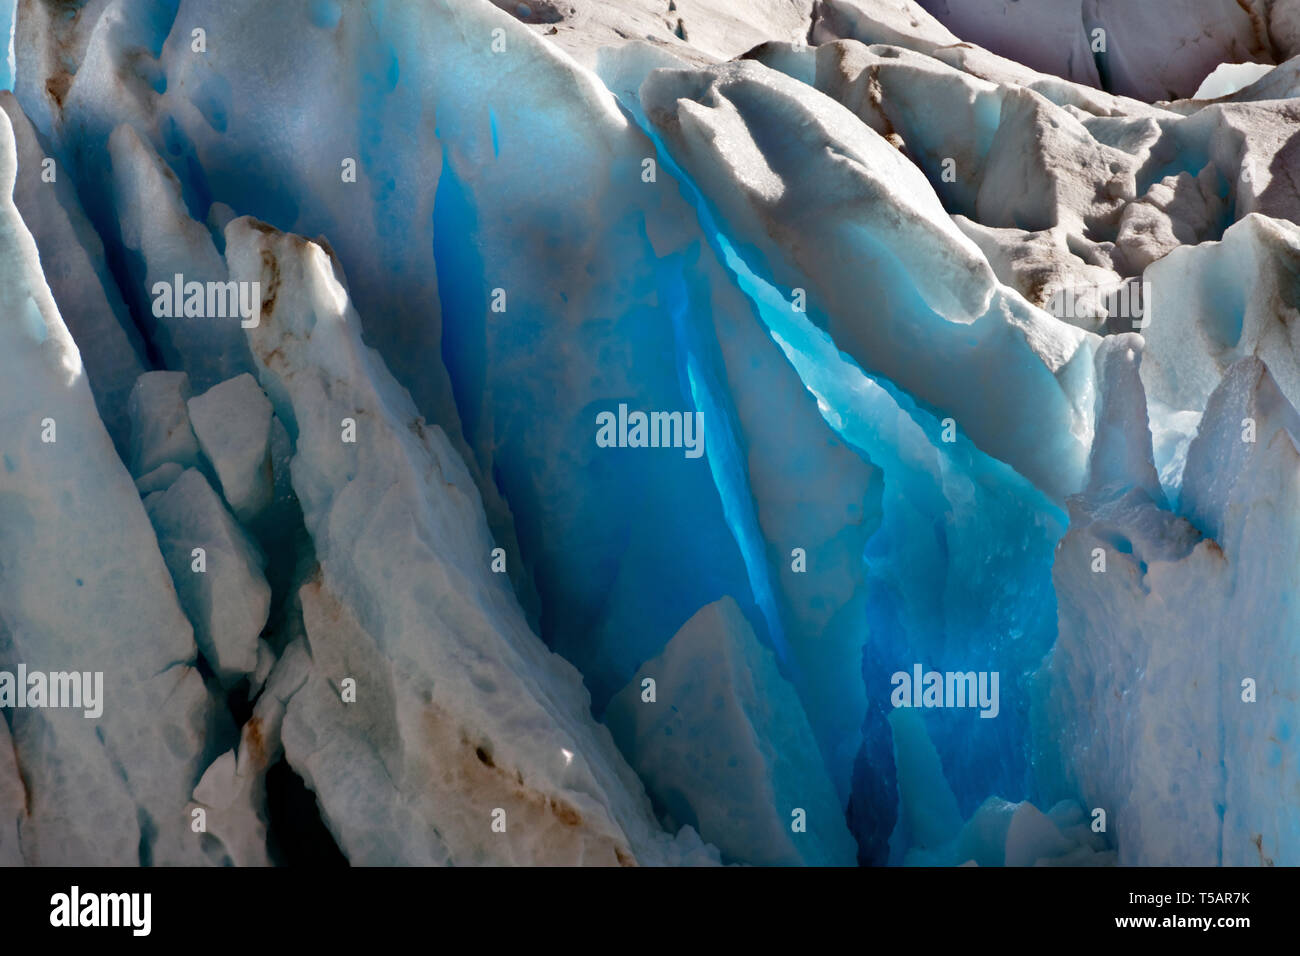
(723, 744)
(72, 258)
(457, 703)
(986, 308)
(1152, 51)
(232, 424)
(228, 601)
(1191, 759)
(85, 588)
(1229, 78)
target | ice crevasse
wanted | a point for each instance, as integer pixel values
(357, 539)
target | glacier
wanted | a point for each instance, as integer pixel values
(313, 310)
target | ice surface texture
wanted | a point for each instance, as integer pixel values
(986, 311)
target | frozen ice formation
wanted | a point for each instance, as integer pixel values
(1153, 51)
(948, 348)
(722, 743)
(1229, 78)
(84, 590)
(161, 433)
(73, 262)
(1133, 639)
(216, 569)
(459, 711)
(232, 423)
(998, 833)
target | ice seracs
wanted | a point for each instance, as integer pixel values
(160, 423)
(232, 423)
(722, 743)
(1175, 628)
(1229, 78)
(433, 654)
(175, 251)
(1150, 51)
(1204, 319)
(836, 233)
(74, 264)
(85, 588)
(919, 292)
(217, 570)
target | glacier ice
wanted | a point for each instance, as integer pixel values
(1151, 51)
(997, 833)
(1229, 322)
(873, 203)
(722, 743)
(221, 587)
(457, 705)
(445, 238)
(74, 264)
(85, 588)
(13, 801)
(161, 433)
(232, 424)
(1229, 78)
(1187, 772)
